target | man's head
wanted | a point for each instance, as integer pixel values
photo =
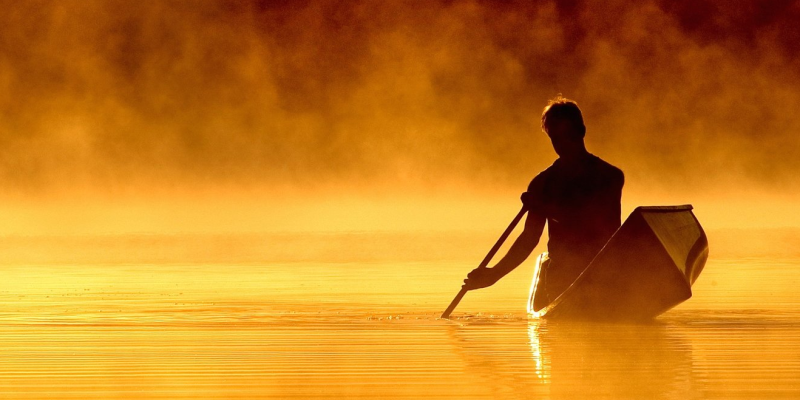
(563, 122)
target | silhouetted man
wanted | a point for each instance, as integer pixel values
(579, 198)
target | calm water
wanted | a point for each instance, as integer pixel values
(351, 316)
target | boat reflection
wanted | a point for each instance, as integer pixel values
(541, 364)
(568, 360)
(611, 360)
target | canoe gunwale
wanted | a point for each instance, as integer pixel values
(682, 207)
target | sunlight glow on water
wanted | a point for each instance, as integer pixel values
(370, 329)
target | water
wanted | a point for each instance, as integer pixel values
(325, 317)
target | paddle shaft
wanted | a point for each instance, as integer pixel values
(485, 262)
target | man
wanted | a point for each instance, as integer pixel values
(579, 198)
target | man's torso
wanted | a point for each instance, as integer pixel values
(581, 202)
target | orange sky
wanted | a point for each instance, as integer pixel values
(268, 113)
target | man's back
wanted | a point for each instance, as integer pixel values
(581, 202)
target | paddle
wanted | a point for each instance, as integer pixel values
(485, 262)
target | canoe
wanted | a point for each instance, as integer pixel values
(647, 267)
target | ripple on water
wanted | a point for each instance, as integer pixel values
(351, 331)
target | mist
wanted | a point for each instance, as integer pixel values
(109, 100)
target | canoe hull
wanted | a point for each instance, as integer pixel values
(645, 269)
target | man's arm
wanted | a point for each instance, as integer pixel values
(523, 246)
(519, 251)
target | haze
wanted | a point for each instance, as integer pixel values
(328, 115)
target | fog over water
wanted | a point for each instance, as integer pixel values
(165, 105)
(278, 198)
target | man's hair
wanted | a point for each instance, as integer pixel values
(561, 108)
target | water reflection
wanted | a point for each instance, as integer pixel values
(567, 360)
(611, 360)
(537, 328)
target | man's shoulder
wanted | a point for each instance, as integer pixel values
(538, 181)
(605, 166)
(607, 170)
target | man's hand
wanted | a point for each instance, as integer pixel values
(530, 201)
(480, 278)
